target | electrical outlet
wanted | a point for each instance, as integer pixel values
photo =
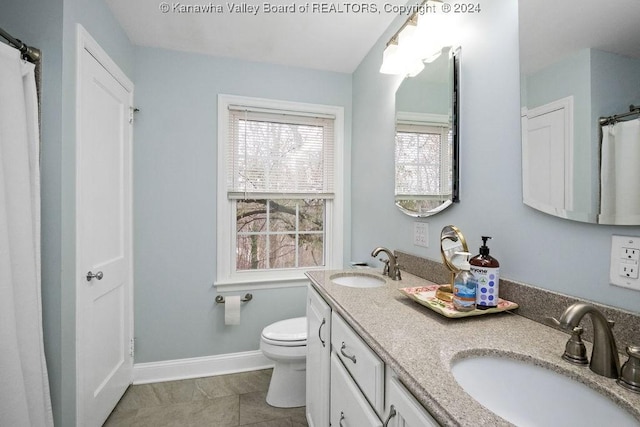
(625, 262)
(631, 254)
(421, 234)
(628, 269)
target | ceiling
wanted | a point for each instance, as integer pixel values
(322, 40)
(550, 29)
(326, 40)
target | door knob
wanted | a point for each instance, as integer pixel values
(97, 275)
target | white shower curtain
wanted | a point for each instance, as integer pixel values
(620, 174)
(24, 385)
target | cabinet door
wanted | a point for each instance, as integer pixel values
(403, 410)
(318, 359)
(349, 408)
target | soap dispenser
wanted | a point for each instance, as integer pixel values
(464, 285)
(486, 270)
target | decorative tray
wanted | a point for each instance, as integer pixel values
(426, 295)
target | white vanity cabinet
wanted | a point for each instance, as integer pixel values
(318, 359)
(346, 381)
(402, 409)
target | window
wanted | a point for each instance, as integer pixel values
(423, 163)
(279, 233)
(279, 190)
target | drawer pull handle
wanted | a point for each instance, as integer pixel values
(341, 418)
(352, 358)
(392, 413)
(320, 331)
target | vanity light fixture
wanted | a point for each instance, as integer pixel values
(390, 61)
(407, 39)
(415, 43)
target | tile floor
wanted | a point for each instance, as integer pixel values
(224, 400)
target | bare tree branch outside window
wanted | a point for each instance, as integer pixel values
(279, 233)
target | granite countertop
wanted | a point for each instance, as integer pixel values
(420, 345)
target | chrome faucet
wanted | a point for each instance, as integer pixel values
(604, 356)
(391, 267)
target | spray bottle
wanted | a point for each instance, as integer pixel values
(464, 285)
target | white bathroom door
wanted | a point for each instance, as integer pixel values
(547, 157)
(104, 319)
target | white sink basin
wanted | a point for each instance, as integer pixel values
(529, 395)
(357, 280)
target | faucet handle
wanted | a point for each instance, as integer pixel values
(575, 351)
(385, 269)
(630, 372)
(396, 273)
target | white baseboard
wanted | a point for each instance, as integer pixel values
(196, 367)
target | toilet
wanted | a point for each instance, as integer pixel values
(285, 343)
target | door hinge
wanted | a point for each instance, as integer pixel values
(131, 111)
(132, 347)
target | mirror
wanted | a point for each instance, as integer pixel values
(426, 142)
(451, 241)
(578, 63)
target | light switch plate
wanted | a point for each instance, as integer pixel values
(421, 234)
(624, 262)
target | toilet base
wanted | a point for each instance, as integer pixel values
(288, 385)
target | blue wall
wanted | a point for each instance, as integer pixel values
(532, 247)
(175, 170)
(429, 91)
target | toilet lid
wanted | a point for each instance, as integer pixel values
(288, 330)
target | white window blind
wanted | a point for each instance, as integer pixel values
(423, 161)
(274, 154)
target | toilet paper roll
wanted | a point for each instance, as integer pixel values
(232, 310)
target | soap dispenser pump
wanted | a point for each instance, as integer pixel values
(486, 270)
(464, 285)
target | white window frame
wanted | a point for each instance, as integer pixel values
(226, 276)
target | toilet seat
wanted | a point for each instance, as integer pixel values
(286, 333)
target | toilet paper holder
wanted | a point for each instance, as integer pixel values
(245, 298)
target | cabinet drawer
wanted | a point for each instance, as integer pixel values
(363, 364)
(348, 407)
